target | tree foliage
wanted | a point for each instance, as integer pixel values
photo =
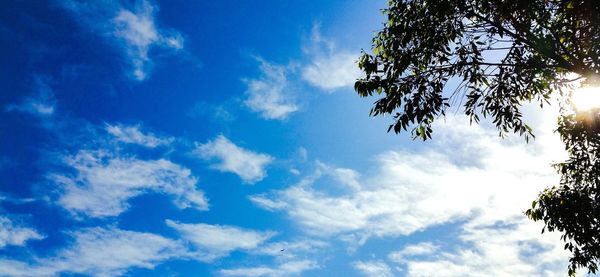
(490, 57)
(573, 207)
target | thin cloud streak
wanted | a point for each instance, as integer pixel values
(133, 29)
(134, 135)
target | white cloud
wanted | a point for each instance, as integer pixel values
(284, 269)
(329, 68)
(332, 72)
(411, 191)
(134, 135)
(248, 165)
(374, 268)
(270, 95)
(215, 241)
(104, 182)
(133, 28)
(100, 252)
(15, 234)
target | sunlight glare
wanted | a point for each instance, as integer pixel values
(586, 98)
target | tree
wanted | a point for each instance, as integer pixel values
(573, 207)
(503, 53)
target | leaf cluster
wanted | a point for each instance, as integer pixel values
(502, 53)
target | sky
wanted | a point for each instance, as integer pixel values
(224, 138)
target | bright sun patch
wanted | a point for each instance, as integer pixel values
(586, 98)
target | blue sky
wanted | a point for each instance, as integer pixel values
(223, 138)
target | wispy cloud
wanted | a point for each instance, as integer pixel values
(248, 165)
(100, 252)
(329, 68)
(284, 269)
(214, 241)
(42, 104)
(134, 135)
(373, 268)
(16, 234)
(133, 29)
(103, 182)
(270, 94)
